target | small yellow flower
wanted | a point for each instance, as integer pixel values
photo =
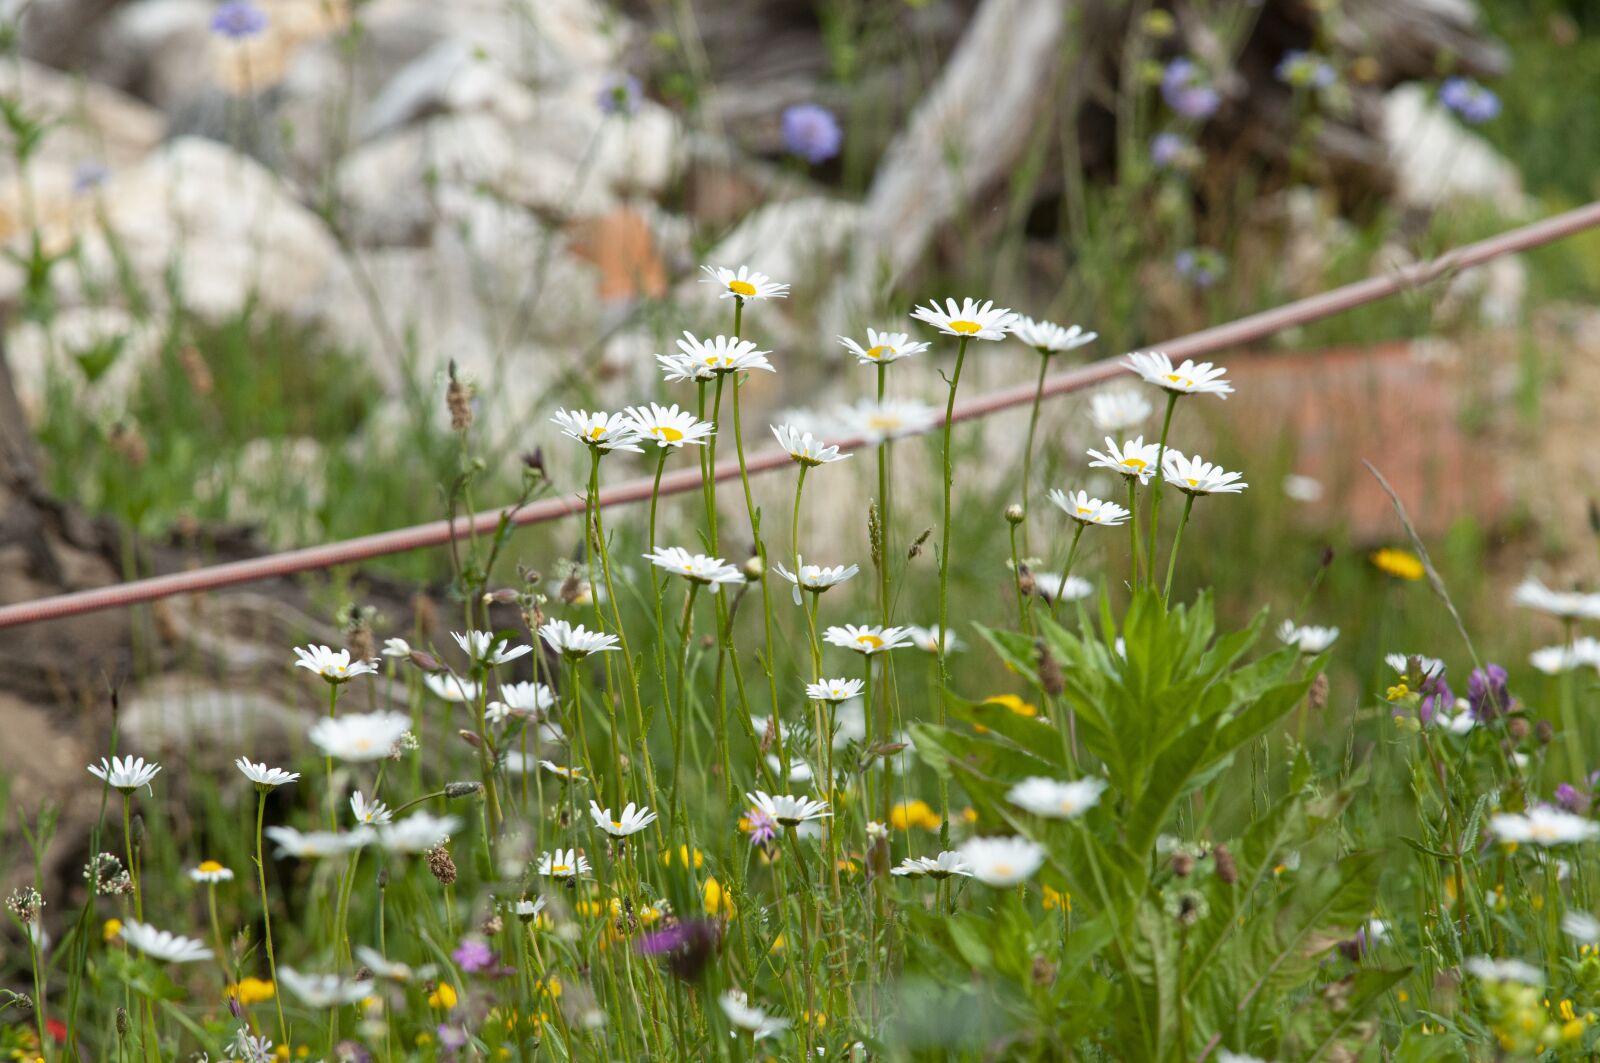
(252, 990)
(112, 928)
(716, 899)
(551, 987)
(969, 815)
(443, 997)
(1057, 899)
(1012, 702)
(683, 857)
(1396, 692)
(907, 814)
(1403, 995)
(1401, 564)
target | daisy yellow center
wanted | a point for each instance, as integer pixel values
(1540, 831)
(561, 869)
(1085, 509)
(1181, 381)
(879, 351)
(596, 432)
(966, 328)
(671, 435)
(870, 640)
(1002, 869)
(744, 288)
(1192, 482)
(1135, 463)
(210, 867)
(617, 823)
(363, 743)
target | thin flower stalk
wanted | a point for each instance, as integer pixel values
(1160, 476)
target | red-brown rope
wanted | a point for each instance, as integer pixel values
(1206, 341)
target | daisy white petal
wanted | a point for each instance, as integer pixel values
(1308, 638)
(316, 844)
(359, 737)
(1056, 800)
(1134, 459)
(210, 872)
(943, 866)
(451, 687)
(163, 944)
(634, 818)
(1542, 825)
(668, 426)
(126, 773)
(868, 638)
(1116, 410)
(601, 430)
(883, 347)
(1193, 476)
(1048, 338)
(927, 639)
(573, 774)
(1531, 593)
(877, 422)
(816, 578)
(417, 833)
(522, 701)
(753, 1020)
(335, 666)
(264, 777)
(1085, 510)
(788, 810)
(1503, 970)
(696, 568)
(834, 690)
(486, 650)
(577, 641)
(1190, 378)
(563, 863)
(325, 990)
(743, 283)
(1002, 862)
(1051, 589)
(970, 319)
(370, 812)
(805, 448)
(720, 354)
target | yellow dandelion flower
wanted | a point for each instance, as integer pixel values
(907, 814)
(716, 899)
(443, 997)
(1401, 564)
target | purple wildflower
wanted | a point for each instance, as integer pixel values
(1305, 70)
(1486, 692)
(685, 946)
(1436, 697)
(1187, 90)
(811, 132)
(473, 955)
(1470, 101)
(1168, 150)
(620, 94)
(1572, 799)
(1200, 266)
(351, 1052)
(451, 1038)
(87, 176)
(760, 826)
(238, 20)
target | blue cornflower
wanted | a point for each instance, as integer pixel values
(238, 19)
(1306, 70)
(811, 132)
(620, 94)
(1188, 91)
(1471, 101)
(1200, 266)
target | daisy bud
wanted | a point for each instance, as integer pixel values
(1014, 514)
(1182, 864)
(1518, 727)
(462, 789)
(426, 661)
(533, 461)
(441, 866)
(754, 568)
(504, 596)
(470, 738)
(1317, 696)
(383, 878)
(1227, 870)
(1327, 556)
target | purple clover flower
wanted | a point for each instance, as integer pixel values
(1487, 693)
(1188, 91)
(473, 956)
(1436, 697)
(1200, 266)
(1572, 799)
(811, 132)
(1305, 70)
(1470, 101)
(685, 946)
(1167, 150)
(238, 20)
(620, 94)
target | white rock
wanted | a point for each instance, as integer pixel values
(1436, 159)
(34, 353)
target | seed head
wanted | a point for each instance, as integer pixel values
(1050, 676)
(1227, 869)
(441, 866)
(458, 398)
(1317, 696)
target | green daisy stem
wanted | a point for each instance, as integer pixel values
(766, 584)
(1177, 539)
(1016, 584)
(632, 680)
(944, 547)
(794, 551)
(1066, 569)
(1133, 531)
(327, 763)
(1155, 503)
(1027, 450)
(266, 916)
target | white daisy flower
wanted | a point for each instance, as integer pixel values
(1190, 378)
(678, 368)
(1086, 510)
(1493, 970)
(696, 568)
(1225, 1056)
(834, 690)
(752, 1020)
(1048, 338)
(1116, 410)
(1298, 487)
(325, 990)
(1581, 927)
(868, 638)
(816, 578)
(602, 430)
(525, 909)
(1051, 589)
(573, 774)
(883, 347)
(523, 701)
(1132, 460)
(1553, 660)
(927, 639)
(1401, 663)
(943, 866)
(163, 944)
(1194, 476)
(1309, 638)
(744, 283)
(210, 872)
(1002, 861)
(668, 426)
(391, 970)
(359, 737)
(318, 844)
(1542, 825)
(264, 777)
(370, 812)
(417, 833)
(799, 770)
(333, 665)
(1056, 800)
(486, 650)
(396, 648)
(804, 447)
(1531, 593)
(126, 773)
(577, 641)
(634, 819)
(563, 863)
(970, 320)
(719, 354)
(451, 687)
(516, 763)
(788, 810)
(876, 421)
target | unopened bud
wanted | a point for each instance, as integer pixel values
(1544, 731)
(754, 568)
(1317, 696)
(1025, 581)
(504, 596)
(1518, 727)
(1050, 677)
(1015, 514)
(470, 738)
(1227, 870)
(462, 789)
(1182, 864)
(426, 661)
